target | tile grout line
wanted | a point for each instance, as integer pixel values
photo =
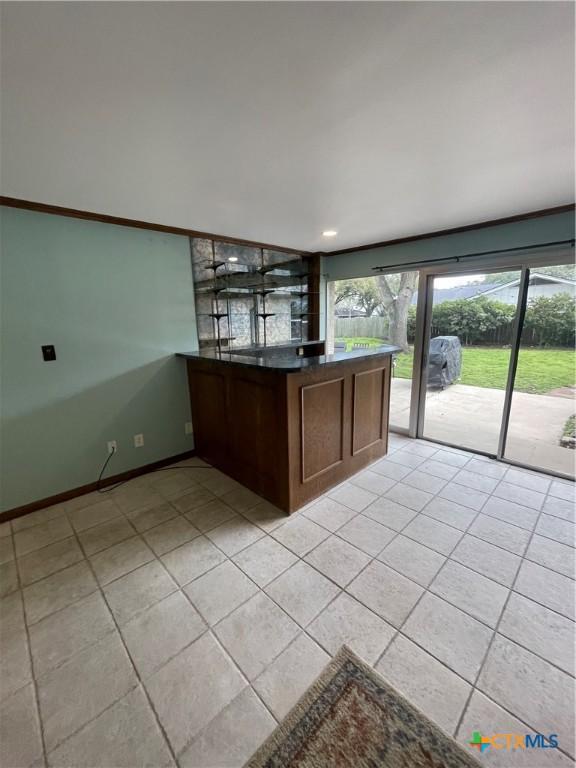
(375, 558)
(85, 557)
(247, 686)
(406, 619)
(32, 671)
(145, 479)
(424, 589)
(469, 533)
(324, 575)
(335, 533)
(196, 484)
(303, 628)
(133, 665)
(447, 557)
(260, 590)
(494, 630)
(314, 639)
(488, 494)
(141, 682)
(208, 629)
(462, 610)
(105, 496)
(495, 633)
(302, 559)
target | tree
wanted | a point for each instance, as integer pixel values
(343, 291)
(396, 293)
(361, 293)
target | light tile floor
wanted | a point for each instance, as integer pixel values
(177, 619)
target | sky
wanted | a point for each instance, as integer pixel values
(451, 282)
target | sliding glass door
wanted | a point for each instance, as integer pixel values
(541, 426)
(469, 351)
(487, 360)
(499, 365)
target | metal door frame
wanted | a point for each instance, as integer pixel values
(424, 314)
(428, 300)
(521, 259)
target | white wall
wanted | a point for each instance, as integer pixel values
(276, 121)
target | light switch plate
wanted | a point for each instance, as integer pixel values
(48, 353)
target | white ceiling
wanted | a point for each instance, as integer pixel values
(275, 121)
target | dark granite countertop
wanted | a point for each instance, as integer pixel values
(290, 364)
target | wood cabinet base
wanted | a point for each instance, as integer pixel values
(290, 435)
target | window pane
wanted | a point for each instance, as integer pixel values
(468, 359)
(541, 430)
(370, 312)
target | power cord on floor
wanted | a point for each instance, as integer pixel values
(110, 488)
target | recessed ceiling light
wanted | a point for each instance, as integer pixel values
(329, 233)
(232, 258)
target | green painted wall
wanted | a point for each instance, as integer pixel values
(117, 303)
(515, 235)
(359, 264)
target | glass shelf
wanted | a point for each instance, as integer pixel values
(252, 280)
(224, 293)
(258, 314)
(291, 265)
(294, 266)
(214, 342)
(261, 296)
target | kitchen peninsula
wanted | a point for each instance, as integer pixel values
(290, 422)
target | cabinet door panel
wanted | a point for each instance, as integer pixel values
(322, 427)
(368, 409)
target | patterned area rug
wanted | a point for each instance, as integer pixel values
(351, 718)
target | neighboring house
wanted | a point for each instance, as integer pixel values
(507, 293)
(540, 285)
(469, 291)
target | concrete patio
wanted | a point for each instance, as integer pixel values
(471, 416)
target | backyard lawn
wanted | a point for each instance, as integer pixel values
(539, 370)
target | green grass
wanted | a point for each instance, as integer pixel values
(361, 340)
(539, 370)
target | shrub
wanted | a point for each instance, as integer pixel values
(474, 321)
(550, 321)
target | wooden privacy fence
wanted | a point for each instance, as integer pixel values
(377, 327)
(372, 327)
(494, 337)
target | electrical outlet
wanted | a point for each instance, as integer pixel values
(188, 428)
(112, 446)
(138, 440)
